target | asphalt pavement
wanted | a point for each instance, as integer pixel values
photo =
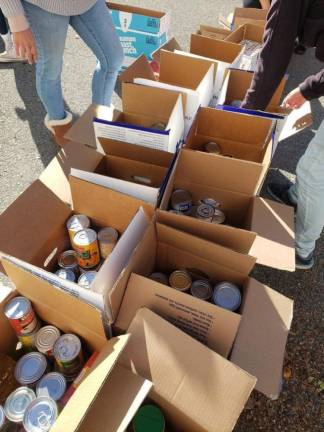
(26, 148)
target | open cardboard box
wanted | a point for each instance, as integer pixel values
(249, 32)
(264, 314)
(171, 45)
(33, 229)
(245, 140)
(143, 107)
(214, 177)
(249, 16)
(120, 379)
(193, 77)
(213, 32)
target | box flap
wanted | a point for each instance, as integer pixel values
(260, 344)
(211, 325)
(214, 48)
(26, 225)
(59, 308)
(246, 32)
(123, 392)
(249, 15)
(82, 130)
(56, 174)
(196, 392)
(170, 45)
(140, 68)
(275, 243)
(75, 411)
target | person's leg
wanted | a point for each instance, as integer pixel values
(96, 28)
(3, 24)
(252, 4)
(309, 190)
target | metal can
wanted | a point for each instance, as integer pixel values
(180, 280)
(107, 239)
(46, 338)
(77, 223)
(86, 247)
(4, 422)
(205, 212)
(66, 274)
(68, 261)
(149, 418)
(86, 279)
(181, 200)
(211, 202)
(214, 148)
(227, 295)
(30, 368)
(219, 217)
(21, 315)
(17, 403)
(52, 385)
(40, 415)
(68, 356)
(201, 289)
(28, 340)
(160, 277)
(160, 126)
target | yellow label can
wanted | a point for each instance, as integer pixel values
(86, 246)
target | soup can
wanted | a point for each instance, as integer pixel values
(181, 200)
(66, 274)
(211, 202)
(201, 289)
(180, 280)
(21, 315)
(213, 147)
(68, 261)
(30, 368)
(17, 403)
(160, 277)
(77, 223)
(87, 249)
(28, 340)
(107, 239)
(205, 212)
(227, 295)
(46, 338)
(52, 385)
(86, 279)
(40, 415)
(68, 356)
(219, 217)
(149, 418)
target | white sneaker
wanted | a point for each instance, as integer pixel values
(10, 56)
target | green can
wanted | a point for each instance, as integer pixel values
(149, 418)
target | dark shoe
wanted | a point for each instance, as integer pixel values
(300, 49)
(280, 193)
(305, 263)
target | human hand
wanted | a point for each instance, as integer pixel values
(25, 45)
(294, 100)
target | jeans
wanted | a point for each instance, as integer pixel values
(308, 194)
(96, 29)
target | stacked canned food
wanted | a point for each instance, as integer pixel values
(223, 294)
(42, 374)
(206, 209)
(81, 263)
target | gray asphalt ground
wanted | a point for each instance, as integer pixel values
(26, 148)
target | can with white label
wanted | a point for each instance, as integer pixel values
(181, 200)
(46, 338)
(77, 223)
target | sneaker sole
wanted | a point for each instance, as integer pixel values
(305, 266)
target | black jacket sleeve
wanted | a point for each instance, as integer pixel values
(313, 87)
(278, 44)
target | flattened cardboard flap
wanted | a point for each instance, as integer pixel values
(75, 411)
(260, 344)
(140, 68)
(196, 392)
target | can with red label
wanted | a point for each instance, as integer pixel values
(21, 316)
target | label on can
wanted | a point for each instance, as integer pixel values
(28, 340)
(21, 315)
(77, 223)
(107, 238)
(68, 356)
(87, 249)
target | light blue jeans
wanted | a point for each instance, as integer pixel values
(96, 29)
(308, 194)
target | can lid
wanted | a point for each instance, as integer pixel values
(160, 277)
(68, 259)
(108, 235)
(205, 211)
(46, 338)
(40, 415)
(65, 274)
(201, 289)
(30, 368)
(210, 201)
(227, 295)
(86, 279)
(180, 280)
(181, 200)
(213, 147)
(2, 416)
(52, 385)
(85, 237)
(77, 223)
(17, 402)
(67, 347)
(149, 418)
(17, 307)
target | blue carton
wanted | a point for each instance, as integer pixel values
(130, 18)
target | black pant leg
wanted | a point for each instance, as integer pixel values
(3, 24)
(251, 4)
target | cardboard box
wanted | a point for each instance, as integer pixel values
(214, 177)
(249, 32)
(191, 76)
(155, 353)
(213, 32)
(143, 107)
(171, 45)
(249, 16)
(166, 249)
(71, 315)
(246, 140)
(224, 53)
(126, 17)
(40, 210)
